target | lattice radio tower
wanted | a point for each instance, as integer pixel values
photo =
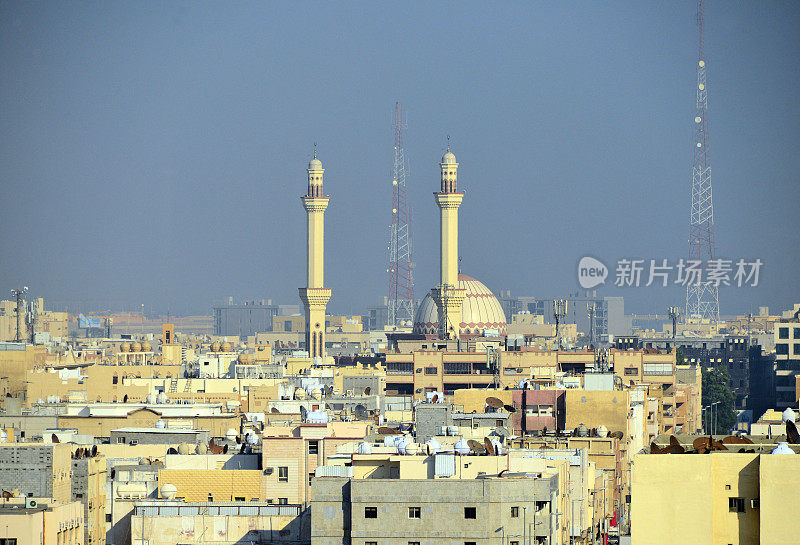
(702, 300)
(401, 264)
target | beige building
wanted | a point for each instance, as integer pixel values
(722, 497)
(171, 522)
(27, 522)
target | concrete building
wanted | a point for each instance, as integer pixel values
(722, 497)
(37, 470)
(315, 296)
(787, 358)
(243, 319)
(26, 522)
(188, 523)
(514, 509)
(89, 488)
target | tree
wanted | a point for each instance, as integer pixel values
(716, 389)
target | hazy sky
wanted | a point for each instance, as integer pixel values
(155, 152)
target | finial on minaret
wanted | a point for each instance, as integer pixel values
(448, 142)
(315, 150)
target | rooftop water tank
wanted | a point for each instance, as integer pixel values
(782, 448)
(169, 491)
(602, 431)
(151, 398)
(461, 447)
(433, 446)
(788, 415)
(582, 430)
(252, 439)
(231, 434)
(161, 424)
(412, 448)
(161, 398)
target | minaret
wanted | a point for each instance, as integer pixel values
(315, 297)
(447, 295)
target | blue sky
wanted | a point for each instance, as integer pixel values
(155, 152)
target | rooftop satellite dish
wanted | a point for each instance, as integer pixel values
(435, 398)
(54, 438)
(383, 430)
(510, 408)
(273, 410)
(617, 435)
(675, 445)
(360, 411)
(736, 440)
(476, 447)
(489, 446)
(792, 436)
(367, 390)
(494, 403)
(225, 449)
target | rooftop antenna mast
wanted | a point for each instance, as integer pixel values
(401, 264)
(559, 312)
(702, 300)
(18, 294)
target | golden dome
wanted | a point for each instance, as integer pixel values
(124, 347)
(480, 311)
(136, 347)
(215, 346)
(226, 347)
(146, 347)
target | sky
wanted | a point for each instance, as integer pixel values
(154, 153)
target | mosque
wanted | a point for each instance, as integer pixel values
(458, 307)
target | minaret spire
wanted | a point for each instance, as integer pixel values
(447, 295)
(315, 296)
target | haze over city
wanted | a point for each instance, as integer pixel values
(154, 153)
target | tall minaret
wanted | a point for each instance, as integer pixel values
(447, 295)
(315, 297)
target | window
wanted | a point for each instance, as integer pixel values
(283, 474)
(796, 333)
(736, 505)
(370, 512)
(414, 513)
(469, 543)
(313, 447)
(631, 371)
(782, 349)
(514, 512)
(114, 379)
(239, 498)
(783, 332)
(120, 439)
(515, 543)
(413, 543)
(283, 501)
(370, 543)
(470, 513)
(796, 349)
(287, 325)
(108, 517)
(431, 370)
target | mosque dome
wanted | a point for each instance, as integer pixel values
(448, 158)
(315, 164)
(480, 311)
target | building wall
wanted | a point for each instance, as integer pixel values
(89, 488)
(57, 524)
(197, 485)
(36, 470)
(779, 478)
(684, 498)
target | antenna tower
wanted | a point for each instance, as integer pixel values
(401, 264)
(702, 300)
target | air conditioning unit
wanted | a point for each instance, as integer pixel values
(31, 503)
(269, 470)
(755, 503)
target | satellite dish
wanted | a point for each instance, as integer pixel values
(367, 390)
(383, 430)
(54, 438)
(489, 446)
(494, 403)
(360, 411)
(617, 435)
(510, 408)
(792, 436)
(273, 410)
(476, 447)
(736, 440)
